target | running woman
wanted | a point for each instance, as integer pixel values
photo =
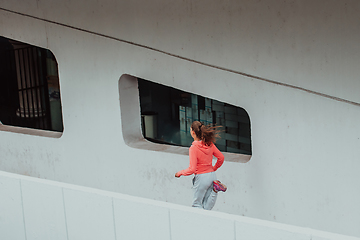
(205, 184)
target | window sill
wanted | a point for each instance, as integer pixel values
(29, 131)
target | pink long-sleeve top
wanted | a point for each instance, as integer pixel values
(201, 157)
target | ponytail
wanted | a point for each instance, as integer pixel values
(207, 134)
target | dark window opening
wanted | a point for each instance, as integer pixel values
(167, 114)
(29, 87)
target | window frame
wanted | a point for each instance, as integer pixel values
(131, 123)
(29, 73)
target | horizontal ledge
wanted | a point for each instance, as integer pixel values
(30, 131)
(267, 227)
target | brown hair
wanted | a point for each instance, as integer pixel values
(206, 133)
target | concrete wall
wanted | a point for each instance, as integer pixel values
(40, 209)
(306, 146)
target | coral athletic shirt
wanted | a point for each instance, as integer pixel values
(201, 159)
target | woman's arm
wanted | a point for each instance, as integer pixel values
(192, 166)
(220, 157)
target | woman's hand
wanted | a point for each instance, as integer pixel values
(177, 175)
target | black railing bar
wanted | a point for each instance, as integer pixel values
(19, 76)
(33, 92)
(29, 83)
(33, 54)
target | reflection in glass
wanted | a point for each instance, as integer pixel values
(167, 114)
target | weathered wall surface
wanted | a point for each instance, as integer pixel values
(305, 146)
(304, 43)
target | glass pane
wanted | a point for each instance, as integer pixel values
(167, 114)
(29, 87)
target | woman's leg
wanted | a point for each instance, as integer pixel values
(201, 183)
(210, 195)
(210, 201)
(204, 196)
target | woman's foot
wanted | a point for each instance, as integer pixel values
(218, 186)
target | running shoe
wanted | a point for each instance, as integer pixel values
(218, 186)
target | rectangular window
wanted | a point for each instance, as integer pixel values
(29, 87)
(167, 114)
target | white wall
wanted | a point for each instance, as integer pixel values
(40, 209)
(305, 146)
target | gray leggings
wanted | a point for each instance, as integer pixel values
(204, 196)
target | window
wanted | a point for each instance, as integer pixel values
(156, 117)
(167, 114)
(29, 87)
